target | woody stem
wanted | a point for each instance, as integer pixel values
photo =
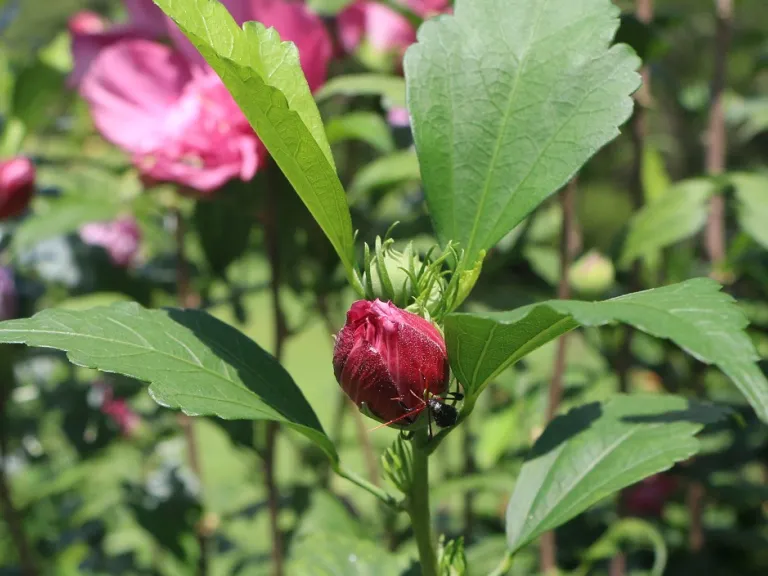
(417, 505)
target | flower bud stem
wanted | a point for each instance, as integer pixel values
(417, 505)
(380, 493)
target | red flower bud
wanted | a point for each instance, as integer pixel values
(386, 358)
(647, 497)
(17, 182)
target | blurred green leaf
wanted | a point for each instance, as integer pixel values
(391, 88)
(596, 450)
(752, 195)
(367, 127)
(679, 214)
(328, 7)
(264, 77)
(633, 531)
(656, 180)
(386, 171)
(37, 88)
(192, 361)
(694, 314)
(329, 554)
(508, 98)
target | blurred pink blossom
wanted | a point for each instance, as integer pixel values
(9, 302)
(118, 410)
(398, 116)
(648, 497)
(120, 238)
(382, 28)
(17, 184)
(164, 106)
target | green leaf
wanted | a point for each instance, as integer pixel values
(752, 196)
(265, 79)
(192, 361)
(508, 98)
(329, 554)
(678, 214)
(328, 7)
(367, 127)
(63, 216)
(596, 450)
(391, 88)
(386, 171)
(695, 315)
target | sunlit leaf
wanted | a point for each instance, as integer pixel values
(695, 315)
(192, 361)
(596, 450)
(508, 98)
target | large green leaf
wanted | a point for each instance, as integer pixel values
(266, 80)
(191, 360)
(676, 215)
(752, 194)
(508, 98)
(694, 314)
(596, 450)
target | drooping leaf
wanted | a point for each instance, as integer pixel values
(752, 195)
(695, 315)
(391, 88)
(265, 79)
(508, 98)
(367, 127)
(192, 361)
(596, 450)
(678, 214)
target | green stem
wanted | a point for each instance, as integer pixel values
(418, 507)
(380, 493)
(504, 566)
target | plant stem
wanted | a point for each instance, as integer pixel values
(271, 229)
(716, 136)
(504, 566)
(417, 506)
(378, 492)
(185, 299)
(9, 512)
(469, 468)
(568, 247)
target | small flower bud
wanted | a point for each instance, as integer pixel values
(592, 274)
(386, 359)
(647, 497)
(17, 183)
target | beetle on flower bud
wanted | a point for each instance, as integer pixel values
(393, 364)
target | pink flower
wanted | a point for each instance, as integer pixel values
(648, 497)
(120, 238)
(171, 112)
(385, 31)
(118, 410)
(17, 184)
(386, 358)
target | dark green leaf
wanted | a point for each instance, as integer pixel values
(266, 80)
(596, 450)
(192, 361)
(695, 315)
(508, 99)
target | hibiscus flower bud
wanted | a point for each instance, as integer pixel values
(386, 359)
(648, 497)
(17, 183)
(592, 274)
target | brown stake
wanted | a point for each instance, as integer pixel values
(569, 243)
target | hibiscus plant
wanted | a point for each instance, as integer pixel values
(507, 100)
